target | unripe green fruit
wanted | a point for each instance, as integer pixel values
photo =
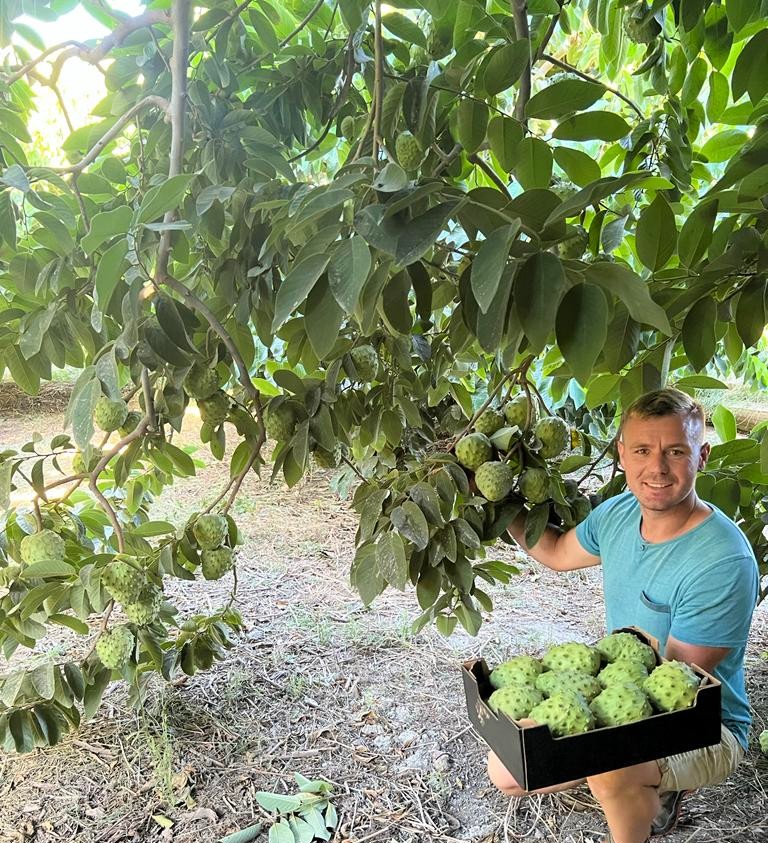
(514, 700)
(201, 381)
(280, 423)
(216, 562)
(638, 31)
(347, 127)
(494, 480)
(210, 530)
(109, 415)
(516, 412)
(123, 582)
(763, 741)
(328, 459)
(115, 646)
(553, 434)
(146, 609)
(147, 356)
(214, 410)
(575, 243)
(366, 362)
(565, 713)
(45, 546)
(9, 573)
(79, 465)
(534, 485)
(408, 151)
(621, 703)
(473, 450)
(489, 422)
(572, 656)
(575, 681)
(130, 424)
(520, 670)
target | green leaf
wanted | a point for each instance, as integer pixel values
(365, 576)
(656, 234)
(535, 523)
(109, 272)
(724, 423)
(82, 403)
(751, 311)
(420, 233)
(76, 625)
(533, 167)
(48, 568)
(391, 559)
(404, 28)
(581, 328)
(573, 463)
(471, 124)
(213, 193)
(699, 340)
(348, 271)
(169, 316)
(15, 176)
(717, 99)
(506, 66)
(696, 234)
(580, 168)
(488, 265)
(106, 225)
(592, 125)
(602, 389)
(7, 220)
(278, 802)
(323, 317)
(409, 521)
(724, 145)
(296, 285)
(150, 529)
(281, 832)
(618, 280)
(504, 135)
(741, 12)
(563, 98)
(694, 382)
(694, 81)
(750, 73)
(539, 286)
(164, 197)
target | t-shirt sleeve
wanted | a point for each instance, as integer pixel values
(588, 531)
(716, 608)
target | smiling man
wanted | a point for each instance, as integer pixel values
(678, 568)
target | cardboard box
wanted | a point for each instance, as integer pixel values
(537, 759)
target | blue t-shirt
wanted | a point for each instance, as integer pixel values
(701, 588)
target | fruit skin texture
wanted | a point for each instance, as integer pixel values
(534, 485)
(671, 687)
(514, 700)
(115, 646)
(122, 581)
(201, 381)
(280, 423)
(516, 411)
(214, 410)
(573, 681)
(763, 741)
(146, 608)
(565, 713)
(520, 670)
(623, 670)
(408, 151)
(366, 362)
(620, 703)
(572, 656)
(216, 562)
(473, 450)
(43, 546)
(553, 434)
(494, 480)
(130, 424)
(328, 459)
(575, 243)
(636, 30)
(489, 422)
(624, 645)
(109, 415)
(210, 530)
(78, 461)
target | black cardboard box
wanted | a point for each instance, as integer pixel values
(537, 759)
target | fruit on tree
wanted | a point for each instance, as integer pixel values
(366, 362)
(109, 415)
(489, 422)
(123, 582)
(518, 410)
(79, 465)
(216, 562)
(553, 434)
(637, 28)
(280, 422)
(328, 459)
(201, 381)
(473, 450)
(146, 609)
(534, 485)
(210, 530)
(130, 424)
(575, 243)
(494, 480)
(44, 546)
(114, 647)
(408, 151)
(215, 409)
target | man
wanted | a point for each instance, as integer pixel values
(678, 568)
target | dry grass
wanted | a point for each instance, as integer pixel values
(321, 685)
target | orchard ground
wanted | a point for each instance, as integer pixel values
(325, 687)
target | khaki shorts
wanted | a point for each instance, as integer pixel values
(701, 767)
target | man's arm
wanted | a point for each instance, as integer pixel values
(556, 550)
(707, 658)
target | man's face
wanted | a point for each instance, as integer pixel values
(660, 456)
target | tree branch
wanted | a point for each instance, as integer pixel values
(520, 18)
(571, 69)
(32, 63)
(474, 158)
(378, 81)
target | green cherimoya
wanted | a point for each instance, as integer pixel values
(210, 530)
(623, 670)
(672, 686)
(519, 411)
(624, 645)
(620, 703)
(494, 480)
(79, 464)
(109, 415)
(409, 151)
(515, 700)
(575, 681)
(146, 609)
(45, 546)
(575, 242)
(572, 656)
(553, 434)
(214, 410)
(216, 562)
(763, 741)
(280, 422)
(489, 422)
(521, 670)
(130, 424)
(366, 362)
(534, 485)
(637, 28)
(328, 459)
(201, 381)
(123, 581)
(565, 713)
(473, 450)
(114, 647)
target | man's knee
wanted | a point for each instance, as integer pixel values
(502, 778)
(618, 783)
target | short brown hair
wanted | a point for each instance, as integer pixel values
(664, 402)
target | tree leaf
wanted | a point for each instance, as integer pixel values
(539, 287)
(561, 98)
(506, 65)
(581, 328)
(391, 559)
(698, 333)
(109, 273)
(656, 233)
(471, 124)
(696, 234)
(724, 423)
(533, 166)
(488, 265)
(592, 125)
(504, 135)
(618, 280)
(164, 197)
(409, 521)
(404, 28)
(296, 286)
(750, 73)
(580, 168)
(365, 576)
(751, 311)
(106, 225)
(322, 318)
